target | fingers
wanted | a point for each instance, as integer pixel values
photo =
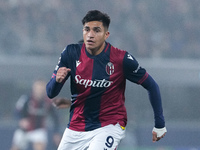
(61, 74)
(155, 138)
(158, 133)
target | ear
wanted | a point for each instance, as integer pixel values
(107, 34)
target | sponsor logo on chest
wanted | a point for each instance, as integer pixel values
(92, 83)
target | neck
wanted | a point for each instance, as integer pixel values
(97, 50)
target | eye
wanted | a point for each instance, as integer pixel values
(86, 29)
(97, 30)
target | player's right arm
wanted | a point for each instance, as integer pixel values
(60, 75)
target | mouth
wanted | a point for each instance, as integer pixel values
(90, 42)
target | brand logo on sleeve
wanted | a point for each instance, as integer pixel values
(78, 63)
(130, 57)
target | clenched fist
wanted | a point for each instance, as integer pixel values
(61, 74)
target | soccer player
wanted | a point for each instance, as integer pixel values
(98, 73)
(33, 111)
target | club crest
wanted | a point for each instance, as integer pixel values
(109, 68)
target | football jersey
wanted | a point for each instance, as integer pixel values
(97, 85)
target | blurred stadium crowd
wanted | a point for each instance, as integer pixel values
(165, 29)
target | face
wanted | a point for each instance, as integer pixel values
(39, 89)
(94, 35)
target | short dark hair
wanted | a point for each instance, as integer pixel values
(96, 15)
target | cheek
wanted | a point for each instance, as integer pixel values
(84, 37)
(102, 37)
(84, 34)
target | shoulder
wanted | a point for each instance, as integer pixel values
(72, 48)
(130, 61)
(124, 55)
(71, 51)
(116, 52)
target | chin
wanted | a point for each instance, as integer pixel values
(89, 47)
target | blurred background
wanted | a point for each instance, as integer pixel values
(163, 35)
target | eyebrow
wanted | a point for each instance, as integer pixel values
(95, 28)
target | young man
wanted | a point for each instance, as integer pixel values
(98, 73)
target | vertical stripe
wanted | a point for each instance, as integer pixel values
(93, 102)
(112, 106)
(84, 69)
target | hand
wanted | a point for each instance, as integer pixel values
(62, 102)
(158, 133)
(61, 74)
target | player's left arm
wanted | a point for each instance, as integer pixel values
(152, 87)
(135, 73)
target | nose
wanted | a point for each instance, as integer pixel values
(91, 34)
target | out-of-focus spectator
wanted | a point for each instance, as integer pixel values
(33, 111)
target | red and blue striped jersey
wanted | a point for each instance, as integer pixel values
(98, 86)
